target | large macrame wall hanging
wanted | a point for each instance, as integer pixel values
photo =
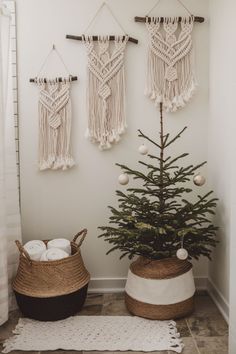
(54, 109)
(106, 90)
(170, 73)
(106, 86)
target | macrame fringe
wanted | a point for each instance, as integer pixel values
(106, 90)
(55, 125)
(9, 344)
(56, 163)
(170, 75)
(176, 344)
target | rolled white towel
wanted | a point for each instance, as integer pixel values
(60, 243)
(35, 249)
(53, 254)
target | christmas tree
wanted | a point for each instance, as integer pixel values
(156, 220)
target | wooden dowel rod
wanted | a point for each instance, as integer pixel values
(95, 38)
(59, 79)
(143, 19)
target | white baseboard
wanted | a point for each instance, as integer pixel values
(218, 299)
(115, 285)
(107, 285)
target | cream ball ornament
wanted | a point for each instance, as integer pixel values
(123, 179)
(182, 254)
(199, 180)
(143, 149)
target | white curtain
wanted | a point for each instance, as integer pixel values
(10, 228)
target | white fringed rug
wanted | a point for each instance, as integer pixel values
(89, 333)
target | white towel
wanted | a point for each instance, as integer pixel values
(53, 254)
(35, 249)
(60, 243)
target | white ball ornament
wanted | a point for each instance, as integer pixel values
(123, 179)
(199, 180)
(182, 254)
(143, 149)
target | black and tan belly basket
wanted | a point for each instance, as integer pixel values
(52, 290)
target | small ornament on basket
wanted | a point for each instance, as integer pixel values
(123, 179)
(143, 149)
(199, 180)
(182, 253)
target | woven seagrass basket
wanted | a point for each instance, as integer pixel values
(52, 290)
(160, 289)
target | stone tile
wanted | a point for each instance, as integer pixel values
(6, 328)
(189, 347)
(212, 345)
(92, 305)
(114, 305)
(91, 310)
(113, 297)
(94, 299)
(182, 328)
(201, 292)
(206, 325)
(204, 304)
(206, 320)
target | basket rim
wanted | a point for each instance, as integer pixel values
(73, 243)
(170, 267)
(56, 261)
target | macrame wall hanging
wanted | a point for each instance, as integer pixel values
(54, 110)
(170, 73)
(106, 85)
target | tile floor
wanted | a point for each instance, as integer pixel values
(204, 332)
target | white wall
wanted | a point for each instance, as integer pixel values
(219, 138)
(58, 204)
(222, 149)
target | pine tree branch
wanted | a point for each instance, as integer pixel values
(176, 159)
(147, 138)
(136, 174)
(175, 138)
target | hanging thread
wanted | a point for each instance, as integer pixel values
(112, 14)
(179, 1)
(47, 57)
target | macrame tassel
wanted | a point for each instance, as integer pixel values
(106, 90)
(54, 125)
(170, 76)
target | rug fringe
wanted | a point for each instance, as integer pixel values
(176, 343)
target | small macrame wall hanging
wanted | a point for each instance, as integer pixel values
(170, 70)
(106, 85)
(54, 113)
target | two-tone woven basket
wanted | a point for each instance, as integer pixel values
(160, 289)
(52, 290)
